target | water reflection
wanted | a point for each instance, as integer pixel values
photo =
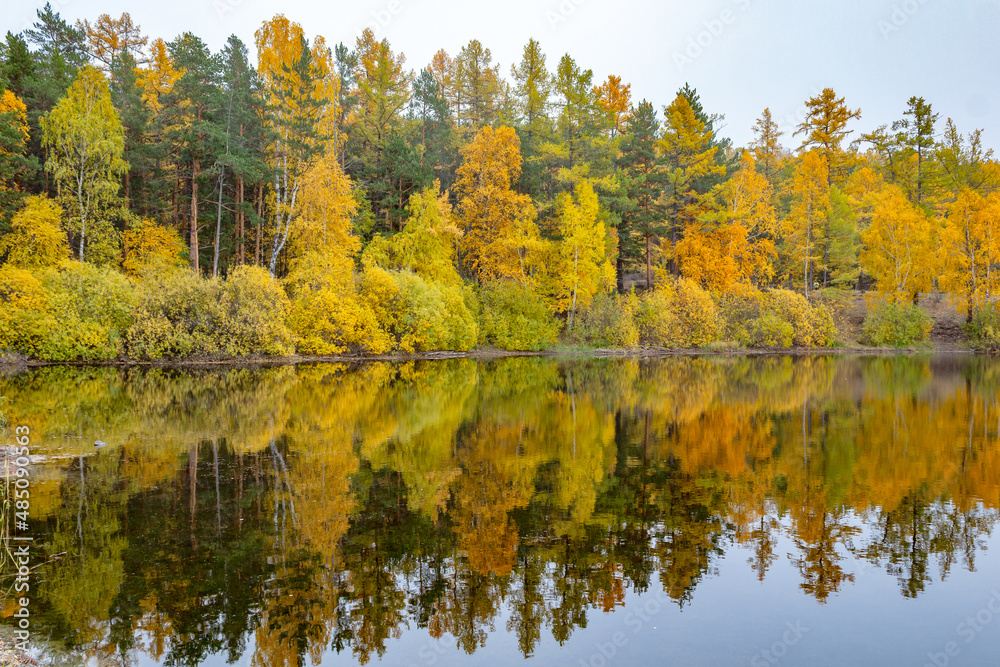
(278, 514)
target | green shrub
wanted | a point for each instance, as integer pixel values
(252, 314)
(93, 309)
(179, 313)
(512, 317)
(769, 330)
(176, 315)
(609, 321)
(984, 330)
(433, 316)
(894, 324)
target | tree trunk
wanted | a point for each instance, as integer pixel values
(239, 220)
(648, 270)
(260, 214)
(576, 280)
(920, 161)
(195, 170)
(805, 268)
(673, 244)
(218, 226)
(193, 483)
(175, 204)
(826, 252)
(620, 272)
(83, 214)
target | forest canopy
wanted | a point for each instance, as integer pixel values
(295, 195)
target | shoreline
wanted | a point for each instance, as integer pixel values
(490, 354)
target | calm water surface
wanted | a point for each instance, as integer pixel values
(717, 511)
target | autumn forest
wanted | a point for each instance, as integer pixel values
(159, 200)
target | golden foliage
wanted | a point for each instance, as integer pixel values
(615, 98)
(148, 246)
(419, 314)
(739, 248)
(686, 144)
(11, 103)
(294, 77)
(500, 237)
(326, 204)
(678, 313)
(327, 314)
(581, 267)
(427, 244)
(810, 207)
(35, 240)
(85, 140)
(824, 128)
(899, 245)
(109, 38)
(969, 247)
(23, 304)
(158, 77)
(775, 318)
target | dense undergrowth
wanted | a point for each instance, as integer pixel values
(78, 311)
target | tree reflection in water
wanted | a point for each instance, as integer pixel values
(291, 511)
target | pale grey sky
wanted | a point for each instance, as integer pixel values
(741, 55)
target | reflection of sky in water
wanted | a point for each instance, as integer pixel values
(604, 437)
(733, 618)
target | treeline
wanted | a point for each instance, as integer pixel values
(455, 205)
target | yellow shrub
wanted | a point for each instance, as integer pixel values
(19, 290)
(813, 325)
(419, 314)
(327, 315)
(35, 239)
(678, 313)
(380, 295)
(776, 318)
(655, 317)
(22, 304)
(149, 245)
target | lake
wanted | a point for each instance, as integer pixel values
(815, 510)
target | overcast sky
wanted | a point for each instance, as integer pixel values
(741, 55)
